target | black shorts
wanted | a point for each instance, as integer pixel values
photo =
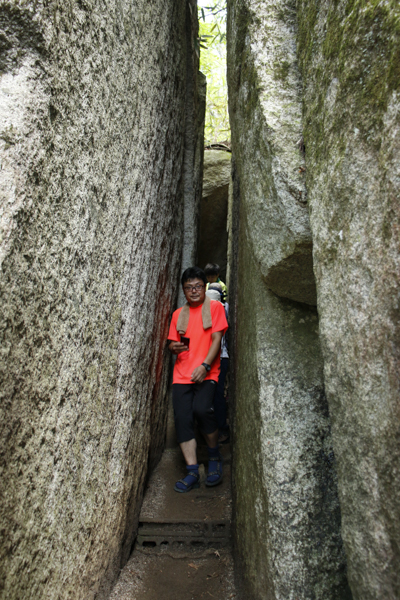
(193, 401)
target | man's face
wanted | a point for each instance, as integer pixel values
(212, 278)
(195, 291)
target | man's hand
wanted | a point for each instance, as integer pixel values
(198, 374)
(177, 347)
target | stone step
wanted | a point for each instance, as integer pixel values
(183, 544)
(199, 519)
(184, 536)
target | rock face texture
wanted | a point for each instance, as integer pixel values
(265, 106)
(287, 511)
(92, 155)
(193, 166)
(286, 503)
(349, 57)
(347, 76)
(213, 238)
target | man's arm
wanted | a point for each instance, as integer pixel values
(200, 372)
(175, 345)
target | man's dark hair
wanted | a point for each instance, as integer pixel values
(211, 269)
(193, 273)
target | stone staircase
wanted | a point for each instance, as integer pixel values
(183, 546)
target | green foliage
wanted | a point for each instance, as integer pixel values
(212, 41)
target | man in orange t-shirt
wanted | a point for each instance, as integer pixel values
(195, 337)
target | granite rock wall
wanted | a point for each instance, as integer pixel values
(315, 115)
(349, 54)
(287, 515)
(92, 195)
(194, 152)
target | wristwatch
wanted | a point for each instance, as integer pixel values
(206, 366)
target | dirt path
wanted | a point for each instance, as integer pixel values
(183, 549)
(148, 577)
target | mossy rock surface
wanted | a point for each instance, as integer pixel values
(286, 504)
(350, 61)
(265, 107)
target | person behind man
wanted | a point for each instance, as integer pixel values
(212, 273)
(195, 337)
(215, 292)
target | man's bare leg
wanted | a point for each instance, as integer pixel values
(189, 451)
(211, 439)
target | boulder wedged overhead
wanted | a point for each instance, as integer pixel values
(349, 57)
(92, 156)
(286, 504)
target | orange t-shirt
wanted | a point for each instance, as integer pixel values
(200, 342)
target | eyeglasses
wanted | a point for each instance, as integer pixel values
(193, 288)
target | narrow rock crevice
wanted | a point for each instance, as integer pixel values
(101, 208)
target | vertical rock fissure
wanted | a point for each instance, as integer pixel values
(101, 150)
(213, 235)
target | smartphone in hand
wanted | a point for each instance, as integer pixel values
(185, 340)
